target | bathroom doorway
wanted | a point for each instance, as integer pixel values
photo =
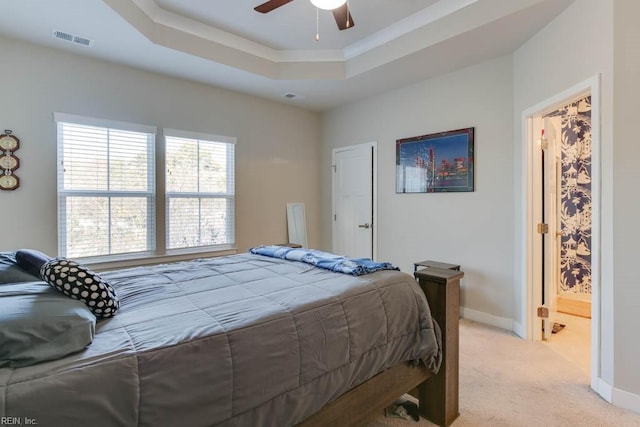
(566, 146)
(562, 225)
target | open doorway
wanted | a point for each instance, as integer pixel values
(566, 202)
(562, 219)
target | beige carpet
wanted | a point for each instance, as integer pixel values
(506, 381)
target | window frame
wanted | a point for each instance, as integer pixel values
(229, 195)
(150, 194)
(157, 233)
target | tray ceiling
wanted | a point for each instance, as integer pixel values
(227, 44)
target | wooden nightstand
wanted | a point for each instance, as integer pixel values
(435, 264)
(289, 245)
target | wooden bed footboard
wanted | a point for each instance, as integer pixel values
(437, 394)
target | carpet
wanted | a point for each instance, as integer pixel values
(506, 381)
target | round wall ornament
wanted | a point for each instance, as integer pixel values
(9, 162)
(9, 182)
(9, 142)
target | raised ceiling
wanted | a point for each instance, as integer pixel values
(227, 44)
(293, 26)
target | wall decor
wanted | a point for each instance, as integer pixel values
(8, 161)
(435, 163)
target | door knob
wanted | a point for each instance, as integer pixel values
(364, 226)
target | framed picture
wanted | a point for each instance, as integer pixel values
(435, 163)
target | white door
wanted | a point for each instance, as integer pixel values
(551, 196)
(353, 201)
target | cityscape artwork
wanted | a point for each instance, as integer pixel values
(435, 163)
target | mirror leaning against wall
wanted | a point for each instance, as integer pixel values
(296, 224)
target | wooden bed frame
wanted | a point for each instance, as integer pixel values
(437, 394)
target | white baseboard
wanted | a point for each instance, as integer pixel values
(602, 388)
(486, 318)
(519, 330)
(625, 400)
(615, 396)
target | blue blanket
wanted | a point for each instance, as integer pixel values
(326, 260)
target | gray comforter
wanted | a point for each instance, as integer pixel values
(243, 341)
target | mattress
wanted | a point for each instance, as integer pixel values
(244, 340)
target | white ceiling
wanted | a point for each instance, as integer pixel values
(293, 26)
(227, 44)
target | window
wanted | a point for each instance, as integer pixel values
(106, 187)
(200, 190)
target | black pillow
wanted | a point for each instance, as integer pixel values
(78, 282)
(31, 260)
(11, 272)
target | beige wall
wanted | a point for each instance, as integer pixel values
(482, 230)
(574, 47)
(277, 148)
(474, 229)
(626, 208)
(284, 153)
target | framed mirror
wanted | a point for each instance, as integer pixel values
(296, 224)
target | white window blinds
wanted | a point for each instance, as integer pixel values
(106, 187)
(200, 190)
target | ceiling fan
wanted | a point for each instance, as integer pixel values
(340, 9)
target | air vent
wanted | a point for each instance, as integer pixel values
(63, 36)
(72, 38)
(82, 40)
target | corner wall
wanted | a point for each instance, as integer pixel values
(599, 37)
(626, 208)
(474, 229)
(277, 147)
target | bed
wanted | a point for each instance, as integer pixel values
(249, 340)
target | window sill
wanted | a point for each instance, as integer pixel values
(138, 260)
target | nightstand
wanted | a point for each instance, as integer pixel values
(289, 245)
(435, 264)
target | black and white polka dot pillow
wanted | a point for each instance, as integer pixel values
(78, 282)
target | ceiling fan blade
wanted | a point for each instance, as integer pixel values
(270, 5)
(343, 17)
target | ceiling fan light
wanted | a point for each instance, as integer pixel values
(328, 4)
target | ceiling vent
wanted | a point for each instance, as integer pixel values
(72, 38)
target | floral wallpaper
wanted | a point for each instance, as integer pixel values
(575, 203)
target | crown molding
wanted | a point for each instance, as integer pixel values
(417, 32)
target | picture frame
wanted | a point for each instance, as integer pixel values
(436, 163)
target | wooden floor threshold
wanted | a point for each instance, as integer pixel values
(574, 307)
